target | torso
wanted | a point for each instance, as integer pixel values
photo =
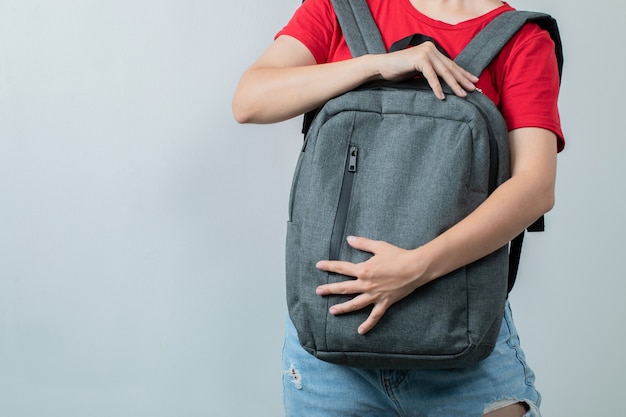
(526, 95)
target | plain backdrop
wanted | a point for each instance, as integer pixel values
(142, 229)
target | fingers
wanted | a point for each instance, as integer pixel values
(433, 80)
(362, 300)
(340, 288)
(348, 268)
(434, 66)
(358, 303)
(459, 80)
(372, 320)
(377, 283)
(338, 267)
(365, 244)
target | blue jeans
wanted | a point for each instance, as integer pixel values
(313, 388)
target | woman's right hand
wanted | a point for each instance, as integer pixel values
(425, 59)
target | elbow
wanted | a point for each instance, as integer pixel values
(240, 117)
(549, 193)
(250, 111)
(537, 200)
(545, 200)
(549, 202)
(250, 102)
(245, 105)
(539, 204)
(241, 113)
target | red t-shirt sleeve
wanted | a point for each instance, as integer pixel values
(310, 25)
(528, 81)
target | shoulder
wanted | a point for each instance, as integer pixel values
(529, 44)
(532, 37)
(314, 24)
(526, 75)
(530, 53)
(321, 9)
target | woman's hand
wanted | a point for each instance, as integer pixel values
(425, 59)
(389, 275)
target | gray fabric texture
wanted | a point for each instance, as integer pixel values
(357, 24)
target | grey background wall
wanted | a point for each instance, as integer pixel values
(141, 229)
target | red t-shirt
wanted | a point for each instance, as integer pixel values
(522, 80)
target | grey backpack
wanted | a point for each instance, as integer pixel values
(389, 161)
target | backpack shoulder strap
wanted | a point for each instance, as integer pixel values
(361, 34)
(358, 27)
(488, 42)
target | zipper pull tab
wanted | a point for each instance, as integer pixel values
(354, 152)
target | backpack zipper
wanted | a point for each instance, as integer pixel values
(493, 150)
(344, 203)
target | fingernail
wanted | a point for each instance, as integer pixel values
(333, 310)
(351, 239)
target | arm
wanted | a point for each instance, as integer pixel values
(286, 81)
(392, 273)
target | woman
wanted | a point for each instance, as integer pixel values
(309, 63)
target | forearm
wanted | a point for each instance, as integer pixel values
(286, 81)
(492, 225)
(271, 94)
(509, 210)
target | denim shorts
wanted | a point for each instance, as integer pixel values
(313, 388)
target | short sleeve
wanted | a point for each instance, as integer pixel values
(529, 82)
(314, 25)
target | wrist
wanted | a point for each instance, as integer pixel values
(428, 268)
(371, 67)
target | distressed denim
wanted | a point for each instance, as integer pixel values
(313, 388)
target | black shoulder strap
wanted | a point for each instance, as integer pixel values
(515, 250)
(486, 45)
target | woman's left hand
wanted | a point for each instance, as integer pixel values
(389, 275)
